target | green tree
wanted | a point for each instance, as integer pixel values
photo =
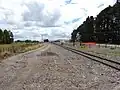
(1, 36)
(74, 33)
(6, 37)
(11, 37)
(73, 36)
(104, 28)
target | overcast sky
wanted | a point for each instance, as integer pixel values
(54, 19)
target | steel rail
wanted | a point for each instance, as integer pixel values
(111, 63)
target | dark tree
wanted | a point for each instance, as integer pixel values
(105, 28)
(1, 36)
(6, 37)
(11, 37)
(73, 36)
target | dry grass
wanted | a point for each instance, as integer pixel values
(7, 50)
(98, 50)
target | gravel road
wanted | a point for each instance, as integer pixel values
(54, 68)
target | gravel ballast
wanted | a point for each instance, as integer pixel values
(56, 69)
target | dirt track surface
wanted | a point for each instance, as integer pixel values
(54, 68)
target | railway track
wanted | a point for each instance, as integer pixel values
(110, 63)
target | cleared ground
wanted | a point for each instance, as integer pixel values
(54, 68)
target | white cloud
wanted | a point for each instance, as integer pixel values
(28, 19)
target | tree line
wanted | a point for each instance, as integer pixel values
(104, 28)
(6, 37)
(27, 41)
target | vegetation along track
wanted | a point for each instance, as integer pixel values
(111, 63)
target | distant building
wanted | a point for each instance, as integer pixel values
(46, 40)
